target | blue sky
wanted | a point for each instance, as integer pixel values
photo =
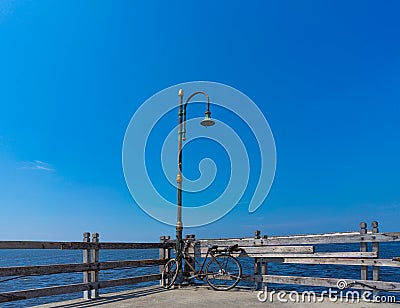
(72, 74)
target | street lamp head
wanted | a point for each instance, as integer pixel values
(207, 121)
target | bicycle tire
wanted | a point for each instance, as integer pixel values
(223, 272)
(169, 273)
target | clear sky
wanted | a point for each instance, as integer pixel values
(325, 74)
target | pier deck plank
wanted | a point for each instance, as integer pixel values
(198, 297)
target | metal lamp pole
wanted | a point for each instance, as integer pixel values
(207, 121)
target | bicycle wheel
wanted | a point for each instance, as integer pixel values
(169, 273)
(223, 272)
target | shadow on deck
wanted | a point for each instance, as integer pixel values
(110, 299)
(202, 296)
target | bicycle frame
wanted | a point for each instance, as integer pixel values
(198, 274)
(186, 257)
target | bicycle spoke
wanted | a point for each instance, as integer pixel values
(223, 272)
(169, 273)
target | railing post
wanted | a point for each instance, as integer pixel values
(375, 248)
(363, 248)
(257, 273)
(264, 268)
(164, 253)
(257, 268)
(167, 251)
(190, 239)
(95, 259)
(86, 260)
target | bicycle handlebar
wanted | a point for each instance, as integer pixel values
(228, 249)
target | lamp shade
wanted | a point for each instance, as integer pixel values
(207, 121)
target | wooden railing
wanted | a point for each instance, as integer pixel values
(299, 249)
(90, 266)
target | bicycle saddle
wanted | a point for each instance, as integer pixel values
(233, 248)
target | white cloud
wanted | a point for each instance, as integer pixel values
(35, 165)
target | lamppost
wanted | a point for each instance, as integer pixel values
(207, 121)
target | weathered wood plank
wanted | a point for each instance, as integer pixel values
(328, 238)
(130, 263)
(264, 270)
(375, 247)
(86, 260)
(363, 248)
(272, 249)
(73, 288)
(79, 245)
(94, 275)
(71, 268)
(44, 245)
(307, 239)
(257, 271)
(44, 269)
(164, 253)
(336, 261)
(280, 249)
(33, 293)
(329, 282)
(347, 254)
(110, 245)
(319, 255)
(127, 281)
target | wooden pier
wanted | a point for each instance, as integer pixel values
(202, 297)
(294, 249)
